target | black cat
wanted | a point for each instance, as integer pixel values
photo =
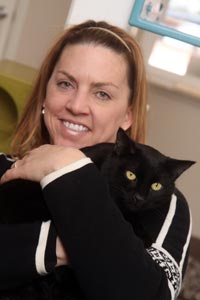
(139, 179)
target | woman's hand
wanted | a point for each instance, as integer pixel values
(42, 161)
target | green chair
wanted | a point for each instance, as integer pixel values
(15, 86)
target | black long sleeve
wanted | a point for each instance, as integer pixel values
(26, 250)
(18, 251)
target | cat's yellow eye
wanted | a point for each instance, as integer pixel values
(156, 186)
(130, 175)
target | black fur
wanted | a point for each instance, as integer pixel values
(21, 201)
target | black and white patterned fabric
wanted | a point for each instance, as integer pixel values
(168, 264)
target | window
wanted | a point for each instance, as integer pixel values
(172, 55)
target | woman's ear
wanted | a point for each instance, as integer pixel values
(128, 119)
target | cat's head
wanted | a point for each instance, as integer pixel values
(140, 176)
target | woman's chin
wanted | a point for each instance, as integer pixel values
(73, 139)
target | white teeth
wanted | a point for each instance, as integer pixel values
(75, 127)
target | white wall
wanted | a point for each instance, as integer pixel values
(37, 23)
(116, 12)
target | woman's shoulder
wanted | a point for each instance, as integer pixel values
(5, 162)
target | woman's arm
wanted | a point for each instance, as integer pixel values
(27, 251)
(170, 227)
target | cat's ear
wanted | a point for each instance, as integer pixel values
(177, 166)
(123, 144)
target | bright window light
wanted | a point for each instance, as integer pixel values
(171, 55)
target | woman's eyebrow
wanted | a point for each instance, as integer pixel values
(67, 75)
(101, 84)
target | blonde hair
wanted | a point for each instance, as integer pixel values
(31, 131)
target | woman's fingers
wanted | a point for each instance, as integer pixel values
(41, 161)
(11, 174)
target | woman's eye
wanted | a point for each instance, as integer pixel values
(103, 95)
(130, 175)
(64, 84)
(156, 186)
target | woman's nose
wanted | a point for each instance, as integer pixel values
(78, 103)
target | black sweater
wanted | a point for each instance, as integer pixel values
(109, 260)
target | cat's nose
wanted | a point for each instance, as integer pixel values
(138, 199)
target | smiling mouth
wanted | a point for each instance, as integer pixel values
(75, 127)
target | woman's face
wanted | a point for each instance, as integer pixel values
(87, 97)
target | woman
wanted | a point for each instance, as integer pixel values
(91, 83)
